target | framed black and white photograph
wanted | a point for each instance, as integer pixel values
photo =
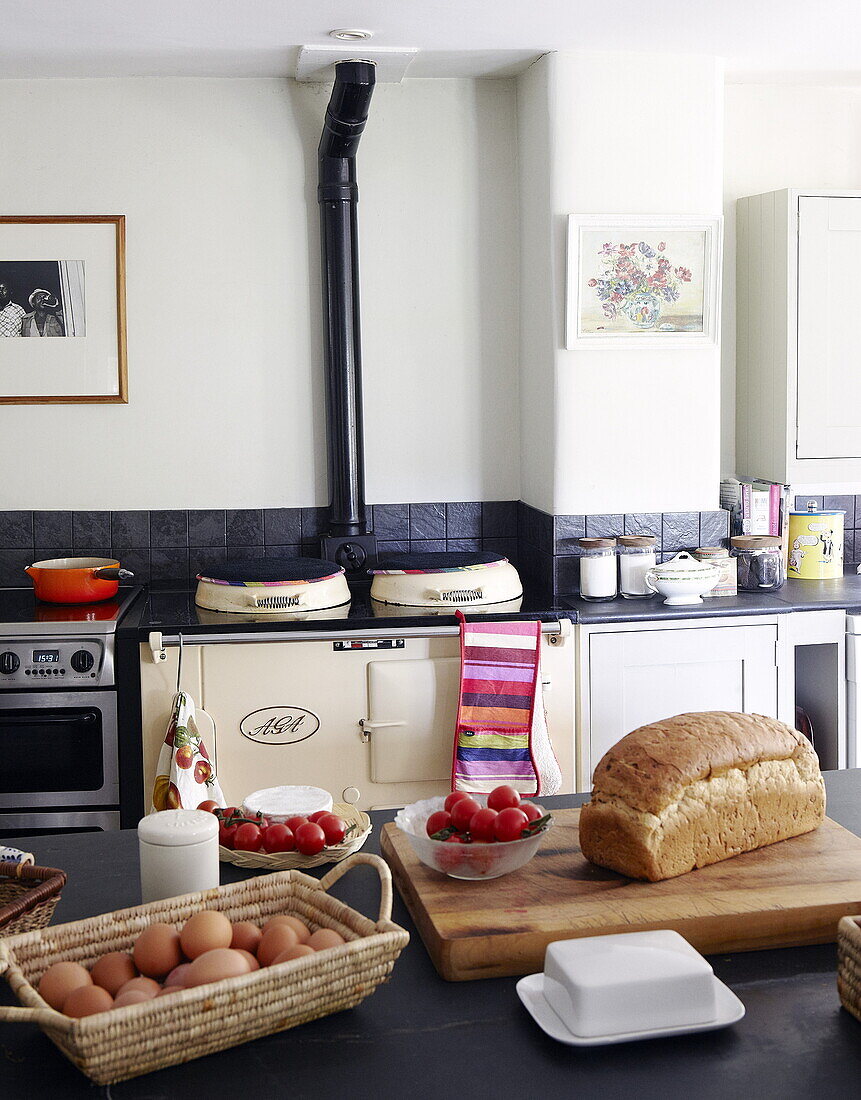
(635, 281)
(62, 309)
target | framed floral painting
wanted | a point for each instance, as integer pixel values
(62, 309)
(635, 281)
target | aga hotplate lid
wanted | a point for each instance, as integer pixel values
(271, 571)
(443, 562)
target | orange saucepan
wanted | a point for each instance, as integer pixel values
(77, 580)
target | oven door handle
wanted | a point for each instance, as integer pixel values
(43, 719)
(368, 727)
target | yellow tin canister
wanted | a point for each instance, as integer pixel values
(815, 545)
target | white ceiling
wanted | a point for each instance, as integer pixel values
(760, 39)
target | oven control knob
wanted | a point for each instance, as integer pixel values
(9, 663)
(82, 661)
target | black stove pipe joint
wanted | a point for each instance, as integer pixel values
(338, 196)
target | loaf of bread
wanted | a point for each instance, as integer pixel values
(699, 788)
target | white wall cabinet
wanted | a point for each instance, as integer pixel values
(798, 296)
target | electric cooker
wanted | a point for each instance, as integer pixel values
(446, 580)
(273, 587)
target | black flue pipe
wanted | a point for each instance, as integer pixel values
(338, 197)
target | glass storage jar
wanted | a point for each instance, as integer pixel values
(761, 567)
(597, 569)
(636, 558)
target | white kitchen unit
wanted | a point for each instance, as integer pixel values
(630, 674)
(798, 389)
(370, 710)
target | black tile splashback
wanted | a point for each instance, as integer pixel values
(172, 546)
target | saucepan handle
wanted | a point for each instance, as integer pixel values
(113, 573)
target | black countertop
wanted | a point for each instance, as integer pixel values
(174, 610)
(420, 1037)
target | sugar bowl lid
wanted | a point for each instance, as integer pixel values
(684, 565)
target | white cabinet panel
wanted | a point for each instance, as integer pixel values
(636, 677)
(829, 383)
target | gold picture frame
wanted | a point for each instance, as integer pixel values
(78, 266)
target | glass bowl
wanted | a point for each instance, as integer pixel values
(465, 861)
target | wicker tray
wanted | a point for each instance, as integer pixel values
(289, 861)
(125, 1042)
(28, 896)
(849, 964)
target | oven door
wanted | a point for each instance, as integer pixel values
(21, 826)
(58, 749)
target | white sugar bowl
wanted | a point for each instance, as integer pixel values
(683, 579)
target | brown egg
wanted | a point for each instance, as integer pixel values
(302, 930)
(275, 940)
(253, 964)
(246, 936)
(141, 985)
(112, 971)
(170, 989)
(221, 962)
(87, 1000)
(325, 937)
(205, 931)
(59, 980)
(132, 997)
(157, 950)
(177, 975)
(297, 951)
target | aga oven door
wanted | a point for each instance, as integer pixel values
(58, 749)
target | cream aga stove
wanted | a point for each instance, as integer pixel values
(368, 714)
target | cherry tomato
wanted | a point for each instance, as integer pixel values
(226, 833)
(310, 839)
(209, 806)
(481, 826)
(230, 811)
(439, 820)
(334, 828)
(294, 822)
(509, 824)
(455, 796)
(462, 812)
(501, 798)
(248, 838)
(315, 817)
(278, 838)
(531, 810)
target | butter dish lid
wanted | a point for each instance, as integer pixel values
(176, 828)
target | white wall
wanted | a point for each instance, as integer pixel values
(217, 179)
(778, 136)
(635, 430)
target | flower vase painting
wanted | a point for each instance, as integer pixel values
(636, 281)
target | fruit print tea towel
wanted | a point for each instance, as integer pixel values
(501, 733)
(185, 776)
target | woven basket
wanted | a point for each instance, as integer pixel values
(28, 896)
(125, 1042)
(289, 861)
(849, 964)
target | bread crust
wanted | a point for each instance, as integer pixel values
(662, 805)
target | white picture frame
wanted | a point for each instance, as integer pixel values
(643, 280)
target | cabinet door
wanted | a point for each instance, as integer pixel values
(636, 677)
(829, 299)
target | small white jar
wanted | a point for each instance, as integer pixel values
(597, 569)
(178, 853)
(636, 558)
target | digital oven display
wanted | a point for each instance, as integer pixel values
(46, 656)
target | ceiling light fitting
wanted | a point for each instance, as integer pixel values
(351, 35)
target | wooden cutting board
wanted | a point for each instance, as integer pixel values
(784, 895)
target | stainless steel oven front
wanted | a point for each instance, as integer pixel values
(58, 748)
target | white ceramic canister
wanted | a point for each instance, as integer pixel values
(178, 853)
(636, 558)
(597, 569)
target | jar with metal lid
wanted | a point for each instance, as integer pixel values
(760, 562)
(720, 556)
(636, 558)
(597, 569)
(178, 853)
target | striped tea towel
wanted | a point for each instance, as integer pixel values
(501, 734)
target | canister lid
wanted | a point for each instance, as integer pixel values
(822, 512)
(637, 540)
(756, 542)
(174, 828)
(596, 544)
(711, 552)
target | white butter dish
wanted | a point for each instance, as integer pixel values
(605, 984)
